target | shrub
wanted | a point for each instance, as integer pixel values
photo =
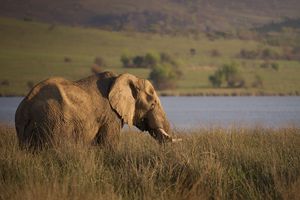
(165, 71)
(269, 54)
(160, 77)
(165, 76)
(267, 64)
(166, 58)
(248, 54)
(192, 51)
(147, 61)
(266, 54)
(5, 83)
(232, 75)
(67, 59)
(151, 60)
(27, 19)
(126, 61)
(229, 73)
(296, 53)
(275, 66)
(95, 69)
(215, 53)
(100, 61)
(258, 82)
(138, 61)
(30, 84)
(217, 79)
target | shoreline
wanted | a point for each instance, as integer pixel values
(199, 94)
(224, 94)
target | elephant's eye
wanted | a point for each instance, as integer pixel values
(152, 106)
(138, 89)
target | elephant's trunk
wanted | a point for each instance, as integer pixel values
(162, 136)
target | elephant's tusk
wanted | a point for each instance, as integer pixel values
(176, 140)
(164, 133)
(169, 137)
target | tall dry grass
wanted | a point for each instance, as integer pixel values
(208, 164)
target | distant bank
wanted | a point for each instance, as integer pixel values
(204, 93)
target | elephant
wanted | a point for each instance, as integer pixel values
(93, 109)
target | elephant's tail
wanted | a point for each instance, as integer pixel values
(21, 124)
(31, 136)
(29, 132)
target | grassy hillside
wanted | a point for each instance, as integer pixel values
(31, 52)
(208, 164)
(156, 15)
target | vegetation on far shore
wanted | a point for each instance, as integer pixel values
(209, 164)
(32, 51)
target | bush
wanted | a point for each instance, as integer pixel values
(265, 54)
(229, 73)
(30, 84)
(96, 69)
(151, 60)
(217, 79)
(165, 71)
(147, 61)
(248, 54)
(192, 51)
(166, 58)
(269, 54)
(267, 65)
(67, 59)
(126, 61)
(165, 76)
(138, 61)
(215, 53)
(232, 75)
(275, 66)
(100, 61)
(4, 83)
(258, 82)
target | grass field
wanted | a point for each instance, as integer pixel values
(209, 164)
(32, 51)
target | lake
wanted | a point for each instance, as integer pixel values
(207, 112)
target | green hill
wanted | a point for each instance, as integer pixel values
(31, 52)
(167, 16)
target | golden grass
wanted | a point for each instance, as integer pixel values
(209, 164)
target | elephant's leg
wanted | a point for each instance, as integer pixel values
(108, 136)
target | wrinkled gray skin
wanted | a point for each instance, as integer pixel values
(93, 109)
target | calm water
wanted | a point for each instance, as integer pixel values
(205, 112)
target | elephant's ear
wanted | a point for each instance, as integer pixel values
(121, 97)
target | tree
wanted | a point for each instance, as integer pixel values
(145, 61)
(100, 61)
(232, 75)
(228, 73)
(217, 79)
(126, 61)
(151, 60)
(138, 61)
(165, 76)
(166, 73)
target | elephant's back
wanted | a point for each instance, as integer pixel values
(41, 94)
(51, 105)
